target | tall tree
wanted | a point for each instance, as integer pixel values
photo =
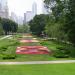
(37, 25)
(59, 10)
(70, 22)
(9, 26)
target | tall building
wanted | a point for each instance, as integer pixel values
(24, 21)
(34, 9)
(29, 16)
(17, 19)
(4, 9)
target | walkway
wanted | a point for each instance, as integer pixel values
(5, 37)
(37, 62)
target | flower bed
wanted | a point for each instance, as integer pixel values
(28, 41)
(32, 50)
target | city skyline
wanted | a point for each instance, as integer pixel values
(4, 13)
(23, 5)
(29, 15)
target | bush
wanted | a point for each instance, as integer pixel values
(3, 48)
(62, 52)
(8, 56)
(59, 54)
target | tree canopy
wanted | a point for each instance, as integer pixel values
(7, 26)
(63, 18)
(37, 25)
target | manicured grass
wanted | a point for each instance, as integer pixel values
(53, 45)
(8, 47)
(11, 44)
(2, 36)
(49, 69)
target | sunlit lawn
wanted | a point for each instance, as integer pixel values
(49, 69)
(8, 47)
(11, 45)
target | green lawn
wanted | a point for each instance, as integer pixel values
(54, 44)
(49, 69)
(8, 49)
(2, 36)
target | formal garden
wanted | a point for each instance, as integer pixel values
(47, 37)
(58, 51)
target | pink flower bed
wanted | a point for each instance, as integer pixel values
(32, 50)
(28, 41)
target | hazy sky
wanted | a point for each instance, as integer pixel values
(21, 6)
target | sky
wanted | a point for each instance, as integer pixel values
(19, 7)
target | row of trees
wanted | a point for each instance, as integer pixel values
(23, 28)
(62, 19)
(59, 23)
(7, 26)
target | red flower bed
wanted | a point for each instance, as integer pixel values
(32, 50)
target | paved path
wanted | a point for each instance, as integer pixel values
(37, 62)
(5, 37)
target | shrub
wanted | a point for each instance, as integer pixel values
(8, 56)
(4, 48)
(62, 52)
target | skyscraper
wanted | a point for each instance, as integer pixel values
(24, 21)
(4, 9)
(34, 9)
(29, 16)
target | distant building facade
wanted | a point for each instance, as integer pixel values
(24, 21)
(29, 15)
(4, 9)
(34, 9)
(17, 19)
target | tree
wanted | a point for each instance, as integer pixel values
(23, 29)
(37, 25)
(54, 27)
(9, 26)
(1, 29)
(70, 22)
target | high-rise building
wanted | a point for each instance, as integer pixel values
(29, 16)
(24, 21)
(17, 19)
(4, 9)
(34, 9)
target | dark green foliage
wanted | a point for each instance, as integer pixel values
(9, 26)
(62, 52)
(63, 12)
(8, 56)
(37, 25)
(62, 23)
(7, 49)
(70, 22)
